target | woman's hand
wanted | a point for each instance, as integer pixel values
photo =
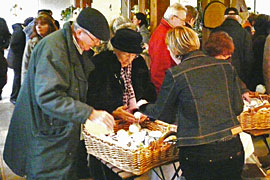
(140, 117)
(122, 113)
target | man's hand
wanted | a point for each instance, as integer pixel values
(122, 113)
(102, 118)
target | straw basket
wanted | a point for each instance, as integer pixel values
(256, 118)
(135, 161)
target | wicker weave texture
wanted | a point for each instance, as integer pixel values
(136, 161)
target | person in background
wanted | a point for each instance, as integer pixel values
(48, 11)
(117, 23)
(125, 81)
(15, 55)
(192, 16)
(140, 21)
(28, 30)
(266, 61)
(242, 58)
(43, 26)
(160, 59)
(258, 40)
(43, 138)
(206, 113)
(4, 43)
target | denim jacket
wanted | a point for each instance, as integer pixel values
(202, 95)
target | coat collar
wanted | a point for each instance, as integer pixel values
(165, 23)
(74, 54)
(192, 55)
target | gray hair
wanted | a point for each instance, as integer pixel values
(120, 23)
(173, 9)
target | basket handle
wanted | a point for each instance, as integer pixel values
(159, 142)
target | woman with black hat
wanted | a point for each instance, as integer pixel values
(119, 80)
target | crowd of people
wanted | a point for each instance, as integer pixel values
(89, 70)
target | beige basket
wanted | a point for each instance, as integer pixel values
(135, 161)
(255, 118)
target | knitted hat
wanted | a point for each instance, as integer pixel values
(95, 22)
(127, 40)
(231, 11)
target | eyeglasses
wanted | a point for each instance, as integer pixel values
(179, 18)
(92, 37)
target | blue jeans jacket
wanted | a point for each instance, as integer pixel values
(202, 95)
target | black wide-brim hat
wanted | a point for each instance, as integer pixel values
(95, 22)
(127, 40)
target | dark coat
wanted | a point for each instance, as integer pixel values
(3, 71)
(16, 48)
(106, 87)
(257, 67)
(204, 96)
(44, 131)
(4, 34)
(242, 58)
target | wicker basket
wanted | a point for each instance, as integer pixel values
(256, 118)
(135, 161)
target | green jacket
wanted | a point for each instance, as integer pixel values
(44, 131)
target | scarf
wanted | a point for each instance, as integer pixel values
(128, 95)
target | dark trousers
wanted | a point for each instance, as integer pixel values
(222, 160)
(82, 163)
(16, 85)
(3, 82)
(100, 171)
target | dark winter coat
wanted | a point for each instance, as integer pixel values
(44, 131)
(3, 71)
(16, 49)
(242, 58)
(202, 94)
(4, 34)
(106, 87)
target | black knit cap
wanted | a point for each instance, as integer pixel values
(127, 40)
(229, 10)
(95, 22)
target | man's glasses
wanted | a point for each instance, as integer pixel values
(92, 37)
(179, 18)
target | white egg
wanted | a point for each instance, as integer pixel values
(135, 127)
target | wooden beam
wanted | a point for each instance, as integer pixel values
(83, 3)
(142, 5)
(157, 9)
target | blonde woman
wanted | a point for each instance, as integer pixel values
(202, 95)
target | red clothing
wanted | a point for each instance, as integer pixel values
(159, 54)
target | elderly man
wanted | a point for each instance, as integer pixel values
(161, 60)
(44, 133)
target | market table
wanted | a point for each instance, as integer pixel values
(128, 176)
(264, 133)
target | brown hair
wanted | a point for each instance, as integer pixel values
(219, 43)
(47, 19)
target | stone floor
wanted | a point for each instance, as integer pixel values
(6, 108)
